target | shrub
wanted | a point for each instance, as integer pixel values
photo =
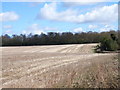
(108, 43)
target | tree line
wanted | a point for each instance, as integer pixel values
(53, 38)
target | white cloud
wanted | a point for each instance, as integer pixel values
(50, 29)
(78, 29)
(49, 12)
(59, 0)
(107, 28)
(99, 15)
(8, 31)
(92, 26)
(36, 29)
(72, 4)
(7, 27)
(9, 16)
(81, 2)
(90, 0)
(28, 0)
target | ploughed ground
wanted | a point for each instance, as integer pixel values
(56, 66)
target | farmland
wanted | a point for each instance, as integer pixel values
(57, 66)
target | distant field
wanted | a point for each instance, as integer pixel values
(56, 66)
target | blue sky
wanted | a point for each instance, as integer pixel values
(29, 17)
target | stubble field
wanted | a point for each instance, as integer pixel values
(57, 66)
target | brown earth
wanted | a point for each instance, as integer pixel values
(47, 66)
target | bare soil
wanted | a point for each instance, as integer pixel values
(48, 66)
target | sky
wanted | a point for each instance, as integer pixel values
(43, 17)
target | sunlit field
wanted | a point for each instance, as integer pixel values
(74, 65)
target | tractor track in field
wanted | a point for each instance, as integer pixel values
(22, 65)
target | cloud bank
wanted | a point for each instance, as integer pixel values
(8, 16)
(104, 14)
(36, 29)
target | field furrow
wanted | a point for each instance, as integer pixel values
(23, 66)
